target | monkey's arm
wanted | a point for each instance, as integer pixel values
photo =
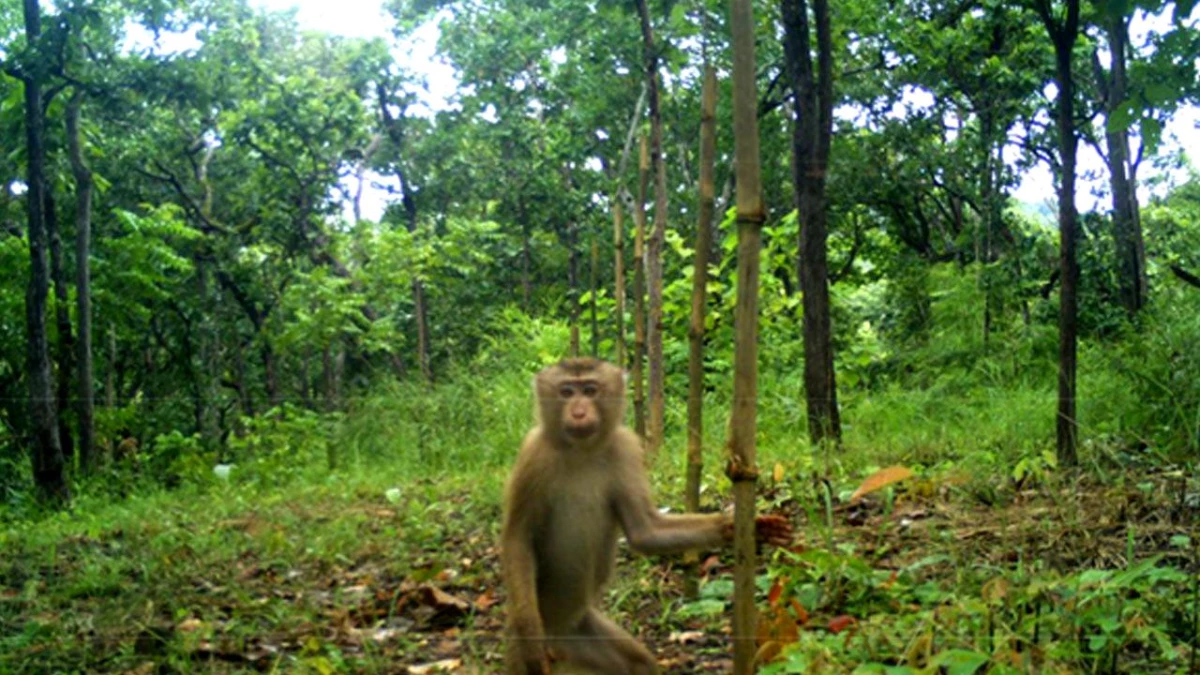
(651, 532)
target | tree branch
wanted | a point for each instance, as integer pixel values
(1185, 276)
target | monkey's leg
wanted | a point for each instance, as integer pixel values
(604, 648)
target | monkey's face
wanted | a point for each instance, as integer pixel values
(578, 402)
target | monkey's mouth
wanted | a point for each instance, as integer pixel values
(580, 430)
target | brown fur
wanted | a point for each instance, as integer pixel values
(579, 482)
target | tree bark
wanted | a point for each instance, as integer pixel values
(656, 381)
(526, 267)
(65, 349)
(418, 287)
(274, 394)
(573, 285)
(743, 468)
(639, 290)
(595, 284)
(85, 405)
(619, 196)
(110, 373)
(1127, 230)
(208, 371)
(695, 405)
(243, 388)
(619, 276)
(49, 467)
(1064, 34)
(811, 135)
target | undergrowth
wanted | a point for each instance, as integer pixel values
(303, 543)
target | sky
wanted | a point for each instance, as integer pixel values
(365, 18)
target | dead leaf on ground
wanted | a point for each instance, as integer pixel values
(881, 479)
(486, 600)
(686, 637)
(443, 666)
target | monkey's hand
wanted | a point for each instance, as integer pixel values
(773, 529)
(769, 529)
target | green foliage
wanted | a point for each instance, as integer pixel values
(1009, 623)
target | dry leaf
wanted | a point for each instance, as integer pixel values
(443, 666)
(775, 592)
(485, 600)
(840, 623)
(801, 613)
(686, 637)
(779, 473)
(881, 479)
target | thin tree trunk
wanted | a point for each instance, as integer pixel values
(421, 308)
(1127, 230)
(990, 220)
(395, 132)
(656, 381)
(619, 276)
(328, 379)
(85, 405)
(573, 285)
(49, 467)
(209, 369)
(306, 385)
(1064, 36)
(422, 312)
(812, 132)
(743, 468)
(65, 349)
(639, 290)
(110, 374)
(243, 389)
(526, 267)
(595, 287)
(270, 371)
(619, 224)
(695, 406)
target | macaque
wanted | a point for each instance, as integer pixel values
(579, 482)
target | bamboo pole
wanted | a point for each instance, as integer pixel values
(695, 407)
(742, 464)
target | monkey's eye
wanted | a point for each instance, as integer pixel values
(590, 390)
(566, 391)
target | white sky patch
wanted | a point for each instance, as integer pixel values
(140, 40)
(351, 18)
(913, 101)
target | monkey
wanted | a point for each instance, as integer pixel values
(578, 481)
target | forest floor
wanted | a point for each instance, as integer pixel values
(348, 578)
